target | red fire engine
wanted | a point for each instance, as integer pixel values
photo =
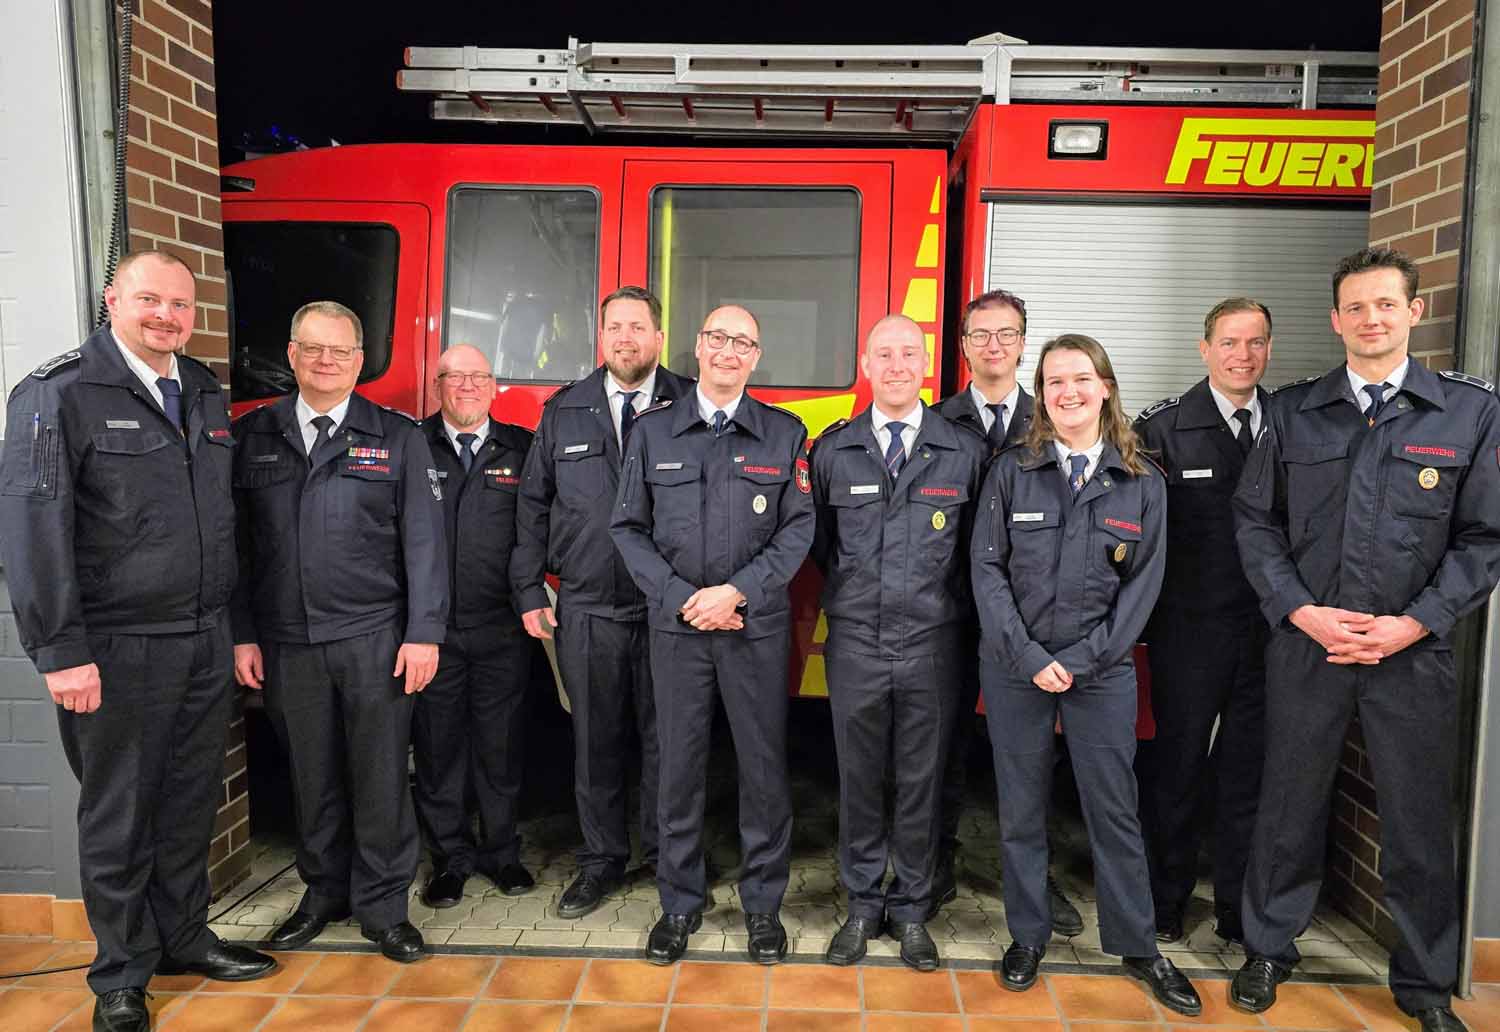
(1121, 192)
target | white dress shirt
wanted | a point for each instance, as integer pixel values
(912, 419)
(1093, 454)
(706, 408)
(306, 414)
(145, 373)
(1228, 408)
(474, 445)
(1393, 384)
(615, 395)
(987, 414)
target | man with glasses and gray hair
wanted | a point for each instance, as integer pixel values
(342, 602)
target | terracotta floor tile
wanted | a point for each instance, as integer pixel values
(218, 1013)
(983, 994)
(814, 986)
(614, 1019)
(1117, 1026)
(158, 1004)
(1214, 992)
(535, 978)
(1378, 1010)
(897, 989)
(291, 969)
(1002, 1025)
(1299, 1005)
(912, 1023)
(1100, 998)
(21, 955)
(445, 977)
(182, 983)
(315, 1015)
(416, 1016)
(712, 1019)
(349, 974)
(36, 1010)
(1481, 1014)
(811, 1021)
(625, 981)
(732, 985)
(67, 957)
(516, 1017)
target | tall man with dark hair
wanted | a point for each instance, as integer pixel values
(1207, 638)
(1369, 524)
(563, 508)
(119, 551)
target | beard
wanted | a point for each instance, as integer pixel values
(627, 371)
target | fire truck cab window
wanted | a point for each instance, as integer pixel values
(791, 256)
(523, 279)
(277, 267)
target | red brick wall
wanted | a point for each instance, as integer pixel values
(172, 181)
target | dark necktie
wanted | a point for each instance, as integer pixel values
(1076, 465)
(466, 450)
(1243, 437)
(627, 415)
(720, 422)
(1376, 391)
(324, 425)
(997, 428)
(171, 399)
(895, 452)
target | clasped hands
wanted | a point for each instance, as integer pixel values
(1356, 638)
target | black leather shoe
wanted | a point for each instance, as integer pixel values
(1254, 986)
(668, 939)
(512, 880)
(585, 894)
(1168, 929)
(1066, 920)
(122, 1010)
(299, 930)
(918, 951)
(1020, 966)
(944, 880)
(849, 942)
(1440, 1019)
(767, 943)
(224, 962)
(444, 890)
(400, 942)
(1170, 986)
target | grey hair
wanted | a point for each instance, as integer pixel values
(333, 310)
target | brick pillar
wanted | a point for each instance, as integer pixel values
(1421, 150)
(172, 170)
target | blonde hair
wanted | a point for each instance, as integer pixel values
(1113, 426)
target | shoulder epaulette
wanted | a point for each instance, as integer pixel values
(834, 427)
(413, 420)
(558, 393)
(1160, 406)
(780, 411)
(1295, 383)
(55, 363)
(1472, 381)
(660, 406)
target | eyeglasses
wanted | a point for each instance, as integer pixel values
(982, 338)
(338, 353)
(716, 339)
(467, 379)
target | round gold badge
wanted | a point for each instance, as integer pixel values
(1120, 552)
(758, 504)
(939, 521)
(1428, 478)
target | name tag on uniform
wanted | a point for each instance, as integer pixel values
(855, 489)
(1027, 517)
(573, 449)
(669, 465)
(122, 424)
(270, 457)
(1197, 474)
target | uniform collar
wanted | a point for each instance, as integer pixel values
(1336, 386)
(137, 365)
(1395, 380)
(745, 413)
(647, 387)
(1201, 407)
(1010, 401)
(306, 413)
(912, 420)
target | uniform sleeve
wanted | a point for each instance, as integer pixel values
(989, 553)
(1113, 638)
(1471, 565)
(528, 560)
(773, 567)
(241, 615)
(826, 526)
(424, 549)
(37, 473)
(1260, 518)
(630, 527)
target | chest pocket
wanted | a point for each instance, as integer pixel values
(934, 509)
(676, 496)
(1316, 477)
(1117, 540)
(758, 491)
(1033, 542)
(579, 468)
(1423, 481)
(115, 442)
(378, 471)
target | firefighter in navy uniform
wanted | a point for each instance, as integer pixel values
(1369, 524)
(469, 724)
(342, 602)
(894, 492)
(119, 552)
(1207, 638)
(1067, 562)
(713, 519)
(603, 647)
(996, 408)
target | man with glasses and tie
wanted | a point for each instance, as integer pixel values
(341, 605)
(1369, 523)
(469, 726)
(119, 554)
(563, 509)
(714, 517)
(1207, 638)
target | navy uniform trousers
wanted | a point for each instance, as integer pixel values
(149, 764)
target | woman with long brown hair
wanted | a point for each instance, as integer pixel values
(1067, 559)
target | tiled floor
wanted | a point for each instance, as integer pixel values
(362, 992)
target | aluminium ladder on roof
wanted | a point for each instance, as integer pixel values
(915, 93)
